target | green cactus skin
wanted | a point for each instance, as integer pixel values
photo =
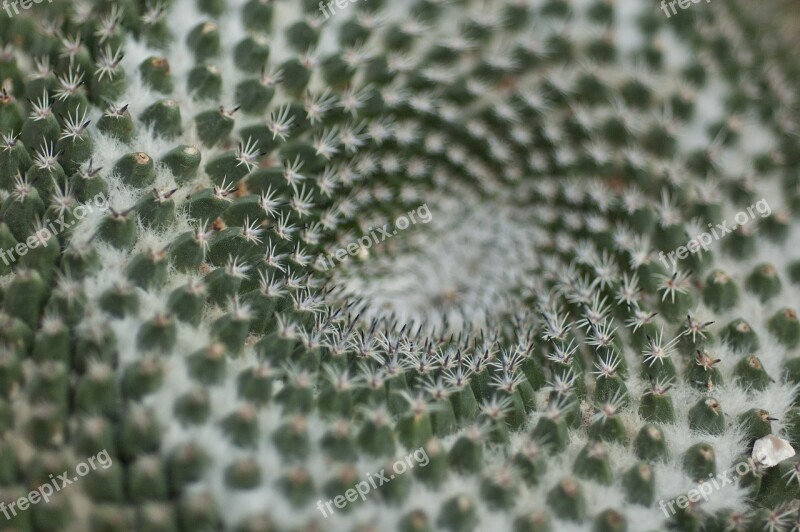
(554, 334)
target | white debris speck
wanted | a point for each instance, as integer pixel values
(771, 450)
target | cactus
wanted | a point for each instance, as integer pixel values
(420, 265)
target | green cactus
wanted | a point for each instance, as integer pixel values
(419, 265)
